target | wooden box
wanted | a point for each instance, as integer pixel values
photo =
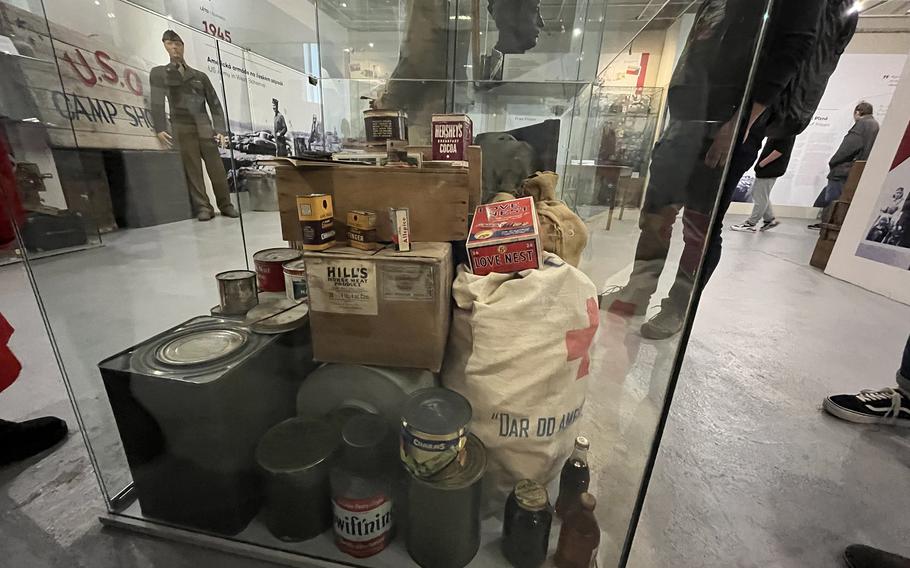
(822, 253)
(852, 182)
(829, 232)
(839, 212)
(439, 200)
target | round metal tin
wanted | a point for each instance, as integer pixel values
(269, 267)
(200, 347)
(433, 430)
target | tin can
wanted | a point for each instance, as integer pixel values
(316, 214)
(362, 230)
(269, 267)
(294, 458)
(452, 134)
(295, 280)
(382, 125)
(401, 228)
(526, 525)
(237, 291)
(433, 430)
(443, 524)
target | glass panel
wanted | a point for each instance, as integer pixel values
(292, 420)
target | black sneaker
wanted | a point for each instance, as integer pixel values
(862, 556)
(768, 225)
(22, 440)
(884, 406)
(815, 226)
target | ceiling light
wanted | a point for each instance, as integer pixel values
(344, 4)
(370, 44)
(97, 2)
(855, 8)
(111, 15)
(576, 32)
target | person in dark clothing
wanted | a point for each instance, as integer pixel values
(705, 96)
(772, 163)
(281, 130)
(188, 91)
(856, 145)
(862, 556)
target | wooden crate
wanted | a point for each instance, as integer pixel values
(440, 200)
(822, 253)
(839, 212)
(829, 232)
(856, 172)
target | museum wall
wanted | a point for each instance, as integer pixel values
(858, 256)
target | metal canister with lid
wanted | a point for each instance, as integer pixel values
(294, 457)
(526, 525)
(382, 125)
(237, 291)
(434, 426)
(443, 525)
(270, 267)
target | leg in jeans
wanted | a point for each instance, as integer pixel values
(887, 406)
(761, 195)
(903, 375)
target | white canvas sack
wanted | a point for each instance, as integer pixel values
(519, 350)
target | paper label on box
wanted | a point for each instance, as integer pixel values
(342, 286)
(408, 283)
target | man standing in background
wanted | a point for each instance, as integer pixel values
(772, 163)
(188, 91)
(280, 130)
(856, 145)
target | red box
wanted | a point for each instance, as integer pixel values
(504, 237)
(452, 134)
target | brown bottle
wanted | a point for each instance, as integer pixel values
(579, 536)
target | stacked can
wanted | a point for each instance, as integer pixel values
(445, 467)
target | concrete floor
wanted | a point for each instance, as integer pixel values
(750, 473)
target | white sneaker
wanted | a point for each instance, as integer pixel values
(746, 227)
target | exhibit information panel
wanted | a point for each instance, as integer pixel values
(362, 298)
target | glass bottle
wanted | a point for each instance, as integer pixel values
(575, 477)
(526, 525)
(579, 536)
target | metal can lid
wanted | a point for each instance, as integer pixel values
(200, 347)
(531, 495)
(235, 275)
(277, 255)
(296, 445)
(465, 471)
(364, 431)
(296, 267)
(378, 112)
(582, 443)
(436, 411)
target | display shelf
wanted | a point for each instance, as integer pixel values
(256, 542)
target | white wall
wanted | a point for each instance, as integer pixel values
(844, 264)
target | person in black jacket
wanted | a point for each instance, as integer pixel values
(713, 117)
(856, 145)
(772, 163)
(188, 91)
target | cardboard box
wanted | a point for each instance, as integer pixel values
(381, 308)
(856, 172)
(504, 237)
(451, 135)
(439, 200)
(822, 253)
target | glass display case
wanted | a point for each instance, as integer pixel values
(352, 364)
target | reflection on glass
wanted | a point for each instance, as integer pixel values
(227, 409)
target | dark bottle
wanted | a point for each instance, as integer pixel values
(574, 479)
(526, 525)
(579, 536)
